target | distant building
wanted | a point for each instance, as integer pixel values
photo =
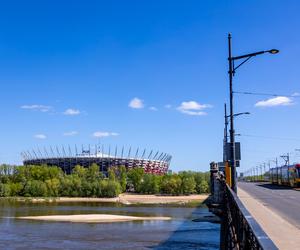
(155, 163)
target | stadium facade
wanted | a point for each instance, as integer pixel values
(66, 158)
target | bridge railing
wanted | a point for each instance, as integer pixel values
(239, 230)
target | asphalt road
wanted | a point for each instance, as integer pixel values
(282, 200)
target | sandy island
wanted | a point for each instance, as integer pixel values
(92, 218)
(128, 199)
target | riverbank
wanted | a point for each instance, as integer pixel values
(125, 198)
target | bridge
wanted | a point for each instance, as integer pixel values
(259, 216)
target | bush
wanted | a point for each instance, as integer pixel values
(151, 184)
(53, 186)
(16, 188)
(188, 185)
(122, 178)
(35, 188)
(135, 177)
(4, 190)
(203, 187)
(202, 182)
(171, 184)
(110, 188)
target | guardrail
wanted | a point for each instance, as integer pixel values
(239, 230)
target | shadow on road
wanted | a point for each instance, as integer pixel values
(272, 186)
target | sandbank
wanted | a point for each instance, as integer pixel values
(126, 198)
(92, 218)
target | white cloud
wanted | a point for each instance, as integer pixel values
(40, 136)
(37, 107)
(193, 108)
(71, 133)
(276, 101)
(100, 134)
(188, 112)
(168, 106)
(153, 108)
(114, 134)
(136, 103)
(72, 112)
(296, 94)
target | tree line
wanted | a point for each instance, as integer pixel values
(45, 181)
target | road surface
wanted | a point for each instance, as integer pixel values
(282, 200)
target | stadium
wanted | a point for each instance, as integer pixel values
(152, 162)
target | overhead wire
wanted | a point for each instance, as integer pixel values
(264, 94)
(272, 138)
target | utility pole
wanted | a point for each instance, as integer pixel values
(231, 131)
(286, 158)
(277, 169)
(269, 175)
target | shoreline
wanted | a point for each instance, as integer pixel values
(125, 199)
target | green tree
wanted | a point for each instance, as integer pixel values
(66, 186)
(4, 190)
(93, 173)
(151, 184)
(16, 188)
(53, 186)
(110, 188)
(111, 174)
(171, 184)
(79, 171)
(203, 187)
(188, 185)
(202, 182)
(76, 186)
(135, 177)
(35, 188)
(123, 178)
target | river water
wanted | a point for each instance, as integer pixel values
(182, 232)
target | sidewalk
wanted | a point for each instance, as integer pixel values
(283, 234)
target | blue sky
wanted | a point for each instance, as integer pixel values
(68, 72)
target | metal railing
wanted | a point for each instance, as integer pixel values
(239, 230)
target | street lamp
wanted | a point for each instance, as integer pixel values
(243, 113)
(231, 72)
(238, 114)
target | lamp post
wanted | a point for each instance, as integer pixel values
(231, 72)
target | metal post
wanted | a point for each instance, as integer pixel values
(277, 170)
(225, 157)
(257, 173)
(231, 131)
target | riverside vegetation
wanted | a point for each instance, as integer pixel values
(45, 181)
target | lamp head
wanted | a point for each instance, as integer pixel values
(273, 51)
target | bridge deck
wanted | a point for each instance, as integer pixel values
(276, 210)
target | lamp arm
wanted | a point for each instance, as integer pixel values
(248, 58)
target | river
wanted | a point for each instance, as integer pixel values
(182, 232)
